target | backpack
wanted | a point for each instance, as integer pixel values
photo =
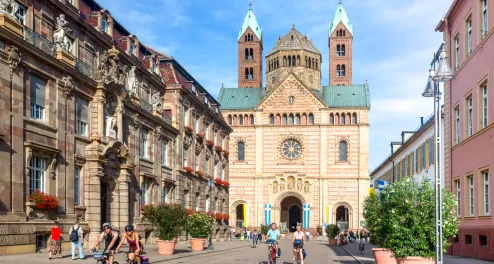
(74, 236)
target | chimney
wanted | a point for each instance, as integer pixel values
(421, 121)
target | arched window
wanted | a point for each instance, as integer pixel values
(245, 37)
(342, 119)
(344, 33)
(241, 120)
(304, 119)
(289, 61)
(354, 118)
(251, 54)
(290, 119)
(251, 74)
(341, 32)
(284, 119)
(342, 70)
(297, 119)
(342, 53)
(338, 70)
(337, 33)
(294, 61)
(298, 60)
(246, 73)
(246, 53)
(343, 151)
(284, 60)
(311, 119)
(230, 120)
(338, 50)
(241, 151)
(306, 62)
(317, 63)
(251, 118)
(277, 62)
(291, 37)
(271, 119)
(331, 119)
(313, 64)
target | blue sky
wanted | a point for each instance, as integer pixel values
(394, 42)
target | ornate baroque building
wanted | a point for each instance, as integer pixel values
(91, 115)
(299, 150)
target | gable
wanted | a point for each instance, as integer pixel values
(247, 31)
(341, 25)
(278, 99)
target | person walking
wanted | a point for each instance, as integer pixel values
(248, 234)
(254, 238)
(356, 235)
(55, 244)
(76, 239)
(307, 235)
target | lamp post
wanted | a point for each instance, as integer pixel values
(432, 89)
(211, 185)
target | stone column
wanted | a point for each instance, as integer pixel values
(114, 207)
(93, 194)
(120, 127)
(123, 187)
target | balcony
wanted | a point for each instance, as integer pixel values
(146, 106)
(39, 42)
(84, 68)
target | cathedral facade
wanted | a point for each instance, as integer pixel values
(299, 149)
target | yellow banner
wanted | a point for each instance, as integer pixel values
(326, 213)
(245, 214)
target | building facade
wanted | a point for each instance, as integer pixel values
(86, 116)
(299, 150)
(468, 121)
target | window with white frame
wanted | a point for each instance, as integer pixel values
(457, 125)
(132, 48)
(471, 195)
(38, 87)
(77, 186)
(186, 115)
(484, 105)
(457, 52)
(81, 116)
(206, 166)
(196, 202)
(222, 174)
(207, 132)
(104, 24)
(164, 152)
(207, 203)
(431, 150)
(185, 157)
(37, 174)
(164, 195)
(470, 116)
(20, 15)
(485, 20)
(196, 163)
(486, 192)
(144, 193)
(196, 124)
(458, 199)
(144, 143)
(469, 40)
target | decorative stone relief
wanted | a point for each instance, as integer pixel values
(110, 121)
(156, 101)
(187, 141)
(198, 147)
(110, 70)
(275, 187)
(132, 83)
(14, 56)
(60, 35)
(158, 132)
(9, 7)
(225, 162)
(306, 187)
(299, 184)
(216, 157)
(111, 168)
(282, 185)
(208, 153)
(67, 85)
(291, 183)
(135, 119)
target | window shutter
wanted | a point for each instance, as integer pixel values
(38, 90)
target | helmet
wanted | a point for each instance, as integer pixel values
(106, 225)
(129, 227)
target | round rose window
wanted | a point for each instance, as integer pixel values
(291, 149)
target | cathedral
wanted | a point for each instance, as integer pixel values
(299, 149)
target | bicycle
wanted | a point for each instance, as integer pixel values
(361, 246)
(101, 257)
(127, 260)
(297, 251)
(272, 252)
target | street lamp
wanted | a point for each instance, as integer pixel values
(211, 185)
(432, 89)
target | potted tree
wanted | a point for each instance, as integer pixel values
(168, 221)
(199, 226)
(377, 227)
(408, 213)
(264, 231)
(332, 231)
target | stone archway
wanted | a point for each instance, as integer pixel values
(281, 208)
(237, 214)
(343, 215)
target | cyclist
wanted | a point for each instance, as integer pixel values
(273, 236)
(298, 241)
(110, 236)
(132, 239)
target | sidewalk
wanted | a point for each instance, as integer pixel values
(368, 258)
(182, 250)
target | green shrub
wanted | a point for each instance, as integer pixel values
(264, 229)
(199, 225)
(332, 231)
(168, 220)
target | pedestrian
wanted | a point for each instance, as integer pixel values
(356, 235)
(254, 238)
(55, 244)
(307, 235)
(76, 239)
(248, 234)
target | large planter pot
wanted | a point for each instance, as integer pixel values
(333, 242)
(166, 247)
(416, 260)
(197, 244)
(383, 256)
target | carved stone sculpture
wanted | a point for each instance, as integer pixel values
(60, 35)
(9, 7)
(291, 183)
(275, 187)
(110, 71)
(131, 85)
(110, 123)
(208, 153)
(187, 141)
(156, 101)
(14, 56)
(299, 184)
(282, 185)
(306, 187)
(67, 85)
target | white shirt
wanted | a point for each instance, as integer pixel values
(307, 233)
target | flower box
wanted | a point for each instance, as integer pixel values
(226, 217)
(189, 169)
(189, 129)
(45, 201)
(218, 181)
(226, 184)
(219, 216)
(226, 153)
(200, 136)
(218, 149)
(199, 173)
(209, 143)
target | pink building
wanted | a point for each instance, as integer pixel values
(469, 127)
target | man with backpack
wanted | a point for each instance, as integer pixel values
(75, 234)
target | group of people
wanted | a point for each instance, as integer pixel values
(110, 236)
(352, 237)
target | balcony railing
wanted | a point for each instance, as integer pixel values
(39, 42)
(146, 106)
(83, 68)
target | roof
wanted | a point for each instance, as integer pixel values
(293, 40)
(346, 95)
(340, 15)
(250, 20)
(333, 96)
(240, 98)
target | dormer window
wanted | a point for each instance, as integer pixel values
(104, 24)
(153, 66)
(132, 48)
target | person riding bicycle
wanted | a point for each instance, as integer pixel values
(254, 237)
(273, 236)
(110, 236)
(132, 239)
(298, 241)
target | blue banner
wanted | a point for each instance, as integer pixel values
(267, 214)
(306, 216)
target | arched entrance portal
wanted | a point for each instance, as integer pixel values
(240, 215)
(290, 213)
(342, 217)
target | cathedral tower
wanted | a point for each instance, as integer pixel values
(340, 48)
(250, 52)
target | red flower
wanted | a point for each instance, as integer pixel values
(219, 216)
(44, 201)
(200, 136)
(226, 152)
(226, 217)
(209, 143)
(188, 169)
(199, 173)
(218, 181)
(219, 148)
(190, 211)
(189, 129)
(226, 183)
